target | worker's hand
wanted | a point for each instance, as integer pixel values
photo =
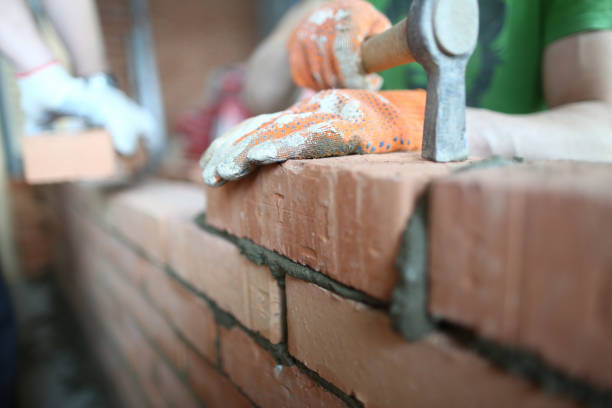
(51, 91)
(330, 123)
(325, 47)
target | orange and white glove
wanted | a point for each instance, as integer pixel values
(325, 47)
(330, 123)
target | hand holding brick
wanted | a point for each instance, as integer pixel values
(331, 123)
(325, 47)
(49, 92)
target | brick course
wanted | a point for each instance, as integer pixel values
(342, 216)
(353, 347)
(267, 383)
(523, 255)
(188, 313)
(214, 389)
(141, 213)
(216, 267)
(159, 298)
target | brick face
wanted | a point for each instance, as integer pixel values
(342, 216)
(528, 259)
(141, 213)
(216, 267)
(353, 347)
(268, 384)
(188, 313)
(152, 323)
(212, 388)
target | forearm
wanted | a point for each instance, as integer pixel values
(269, 86)
(577, 131)
(19, 37)
(79, 27)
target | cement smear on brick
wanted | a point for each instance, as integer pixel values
(280, 265)
(409, 312)
(410, 316)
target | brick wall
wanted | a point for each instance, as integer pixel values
(279, 296)
(191, 40)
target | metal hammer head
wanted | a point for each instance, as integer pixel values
(442, 35)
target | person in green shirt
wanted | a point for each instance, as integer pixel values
(539, 84)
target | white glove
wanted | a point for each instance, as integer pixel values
(51, 91)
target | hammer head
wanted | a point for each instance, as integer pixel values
(442, 35)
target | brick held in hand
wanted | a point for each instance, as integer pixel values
(84, 156)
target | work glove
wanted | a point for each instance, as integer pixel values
(330, 123)
(50, 91)
(325, 47)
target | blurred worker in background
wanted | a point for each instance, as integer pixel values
(539, 85)
(48, 90)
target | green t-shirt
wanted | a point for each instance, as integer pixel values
(504, 73)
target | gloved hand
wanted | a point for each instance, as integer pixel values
(330, 123)
(51, 91)
(325, 47)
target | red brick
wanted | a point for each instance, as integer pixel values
(139, 354)
(158, 379)
(213, 388)
(354, 347)
(174, 391)
(184, 310)
(140, 213)
(126, 260)
(60, 157)
(267, 384)
(123, 382)
(342, 216)
(216, 267)
(523, 254)
(152, 323)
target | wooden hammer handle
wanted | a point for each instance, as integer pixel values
(387, 49)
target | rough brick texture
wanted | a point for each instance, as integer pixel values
(216, 267)
(342, 216)
(269, 384)
(523, 254)
(354, 347)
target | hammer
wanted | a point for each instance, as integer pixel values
(441, 36)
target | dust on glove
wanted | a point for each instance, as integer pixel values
(325, 47)
(330, 123)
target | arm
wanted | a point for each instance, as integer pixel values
(269, 86)
(577, 79)
(19, 38)
(79, 27)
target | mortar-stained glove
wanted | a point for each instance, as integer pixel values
(50, 91)
(330, 123)
(325, 47)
